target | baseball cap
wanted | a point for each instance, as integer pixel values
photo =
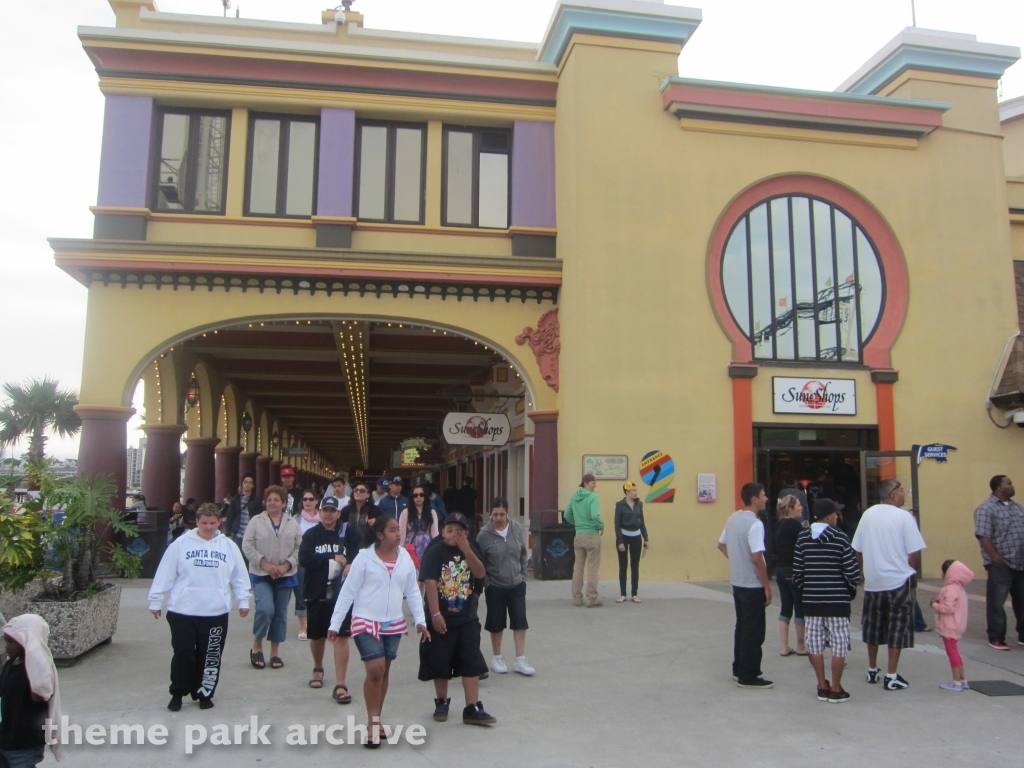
(287, 471)
(627, 487)
(457, 517)
(382, 482)
(396, 481)
(329, 502)
(824, 507)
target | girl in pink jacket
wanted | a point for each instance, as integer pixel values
(951, 618)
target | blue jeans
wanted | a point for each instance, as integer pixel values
(300, 598)
(21, 758)
(371, 648)
(271, 620)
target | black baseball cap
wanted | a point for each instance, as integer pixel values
(824, 507)
(330, 502)
(458, 518)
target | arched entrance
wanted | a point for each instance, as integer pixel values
(322, 391)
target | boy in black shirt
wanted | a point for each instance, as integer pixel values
(453, 572)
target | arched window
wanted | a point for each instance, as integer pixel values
(803, 280)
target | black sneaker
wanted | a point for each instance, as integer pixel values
(873, 675)
(175, 703)
(823, 692)
(485, 675)
(759, 682)
(441, 709)
(896, 683)
(205, 702)
(838, 697)
(477, 715)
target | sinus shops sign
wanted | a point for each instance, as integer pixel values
(476, 429)
(815, 397)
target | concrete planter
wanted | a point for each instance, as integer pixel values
(80, 625)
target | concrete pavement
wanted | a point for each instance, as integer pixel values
(615, 686)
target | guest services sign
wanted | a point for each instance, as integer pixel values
(815, 397)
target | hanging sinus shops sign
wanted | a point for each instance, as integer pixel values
(476, 429)
(815, 397)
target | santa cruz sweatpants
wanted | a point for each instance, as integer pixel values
(198, 643)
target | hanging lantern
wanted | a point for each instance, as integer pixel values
(275, 439)
(246, 422)
(192, 392)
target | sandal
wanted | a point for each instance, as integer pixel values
(620, 599)
(317, 682)
(256, 659)
(342, 698)
(790, 652)
(276, 662)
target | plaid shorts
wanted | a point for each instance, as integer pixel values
(888, 617)
(831, 630)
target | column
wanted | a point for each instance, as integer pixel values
(247, 464)
(262, 474)
(124, 168)
(103, 450)
(161, 472)
(200, 469)
(226, 483)
(275, 471)
(545, 460)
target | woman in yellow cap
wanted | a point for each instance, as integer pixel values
(630, 537)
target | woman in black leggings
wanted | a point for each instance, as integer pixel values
(790, 526)
(630, 537)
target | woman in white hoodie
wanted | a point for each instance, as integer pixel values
(379, 578)
(200, 570)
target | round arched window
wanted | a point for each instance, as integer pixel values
(803, 281)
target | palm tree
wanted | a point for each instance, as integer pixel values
(32, 409)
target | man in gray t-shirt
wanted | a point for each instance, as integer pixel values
(742, 542)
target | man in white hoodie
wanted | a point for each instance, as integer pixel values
(200, 570)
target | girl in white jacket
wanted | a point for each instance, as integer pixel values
(379, 578)
(201, 570)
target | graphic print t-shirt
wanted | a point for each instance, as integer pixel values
(458, 591)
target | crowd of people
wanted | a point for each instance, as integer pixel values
(352, 556)
(820, 568)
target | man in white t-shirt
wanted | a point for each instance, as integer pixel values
(888, 546)
(742, 542)
(338, 490)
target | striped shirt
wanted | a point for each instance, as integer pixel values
(825, 568)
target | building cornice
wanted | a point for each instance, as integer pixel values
(934, 51)
(822, 110)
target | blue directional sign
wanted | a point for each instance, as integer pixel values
(936, 451)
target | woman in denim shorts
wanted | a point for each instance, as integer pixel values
(380, 576)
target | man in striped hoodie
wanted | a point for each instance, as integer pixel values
(825, 569)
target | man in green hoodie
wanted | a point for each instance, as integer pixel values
(584, 511)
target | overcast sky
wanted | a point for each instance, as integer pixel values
(53, 112)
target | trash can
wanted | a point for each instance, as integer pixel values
(553, 556)
(150, 542)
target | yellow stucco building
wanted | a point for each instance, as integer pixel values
(313, 241)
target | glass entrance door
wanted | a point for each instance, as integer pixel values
(876, 466)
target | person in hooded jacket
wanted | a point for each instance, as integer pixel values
(951, 618)
(29, 694)
(201, 570)
(326, 551)
(584, 512)
(630, 538)
(502, 545)
(825, 570)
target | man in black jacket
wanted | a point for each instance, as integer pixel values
(825, 570)
(325, 553)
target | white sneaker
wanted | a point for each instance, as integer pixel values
(498, 665)
(952, 685)
(523, 667)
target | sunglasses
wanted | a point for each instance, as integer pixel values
(418, 495)
(308, 498)
(360, 490)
